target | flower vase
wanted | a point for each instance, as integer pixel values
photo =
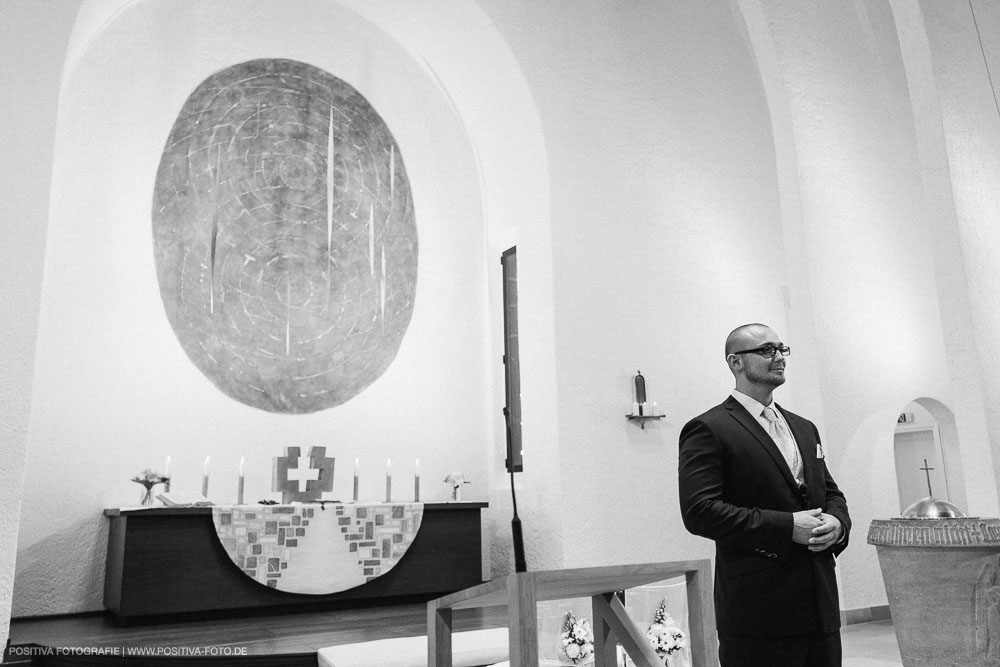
(147, 496)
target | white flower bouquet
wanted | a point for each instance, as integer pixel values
(664, 634)
(576, 641)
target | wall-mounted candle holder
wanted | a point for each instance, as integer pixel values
(642, 411)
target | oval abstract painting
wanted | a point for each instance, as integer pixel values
(284, 236)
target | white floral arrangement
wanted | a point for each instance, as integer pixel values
(664, 634)
(576, 641)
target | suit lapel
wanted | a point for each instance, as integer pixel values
(740, 414)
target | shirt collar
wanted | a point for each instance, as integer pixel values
(752, 405)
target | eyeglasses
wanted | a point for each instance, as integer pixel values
(768, 351)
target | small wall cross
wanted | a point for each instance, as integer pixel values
(927, 471)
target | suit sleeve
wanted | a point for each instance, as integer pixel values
(704, 508)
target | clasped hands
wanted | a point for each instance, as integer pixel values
(816, 529)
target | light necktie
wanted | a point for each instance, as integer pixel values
(786, 443)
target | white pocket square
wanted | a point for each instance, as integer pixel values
(820, 454)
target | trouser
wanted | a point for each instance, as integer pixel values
(813, 650)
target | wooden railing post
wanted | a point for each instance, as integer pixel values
(439, 625)
(701, 615)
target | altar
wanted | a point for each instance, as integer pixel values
(223, 560)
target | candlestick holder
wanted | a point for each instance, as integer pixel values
(642, 419)
(641, 411)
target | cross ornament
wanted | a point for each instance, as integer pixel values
(302, 478)
(303, 473)
(927, 471)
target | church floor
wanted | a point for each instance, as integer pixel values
(865, 644)
(870, 645)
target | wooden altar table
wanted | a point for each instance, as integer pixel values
(520, 593)
(169, 560)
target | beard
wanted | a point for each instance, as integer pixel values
(767, 377)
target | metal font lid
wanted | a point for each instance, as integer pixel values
(932, 508)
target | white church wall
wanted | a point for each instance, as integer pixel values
(659, 226)
(666, 235)
(962, 60)
(869, 250)
(115, 394)
(30, 73)
(967, 442)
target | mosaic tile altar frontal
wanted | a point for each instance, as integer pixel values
(306, 549)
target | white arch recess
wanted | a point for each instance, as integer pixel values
(460, 108)
(951, 450)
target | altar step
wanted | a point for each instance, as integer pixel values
(295, 639)
(287, 640)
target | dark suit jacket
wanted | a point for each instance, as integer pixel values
(736, 489)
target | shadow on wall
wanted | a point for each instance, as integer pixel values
(543, 536)
(68, 565)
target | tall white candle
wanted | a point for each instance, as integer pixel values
(239, 490)
(204, 478)
(388, 480)
(416, 482)
(166, 473)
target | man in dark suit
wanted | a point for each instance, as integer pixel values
(753, 477)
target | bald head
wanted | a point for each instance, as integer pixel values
(744, 336)
(756, 374)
